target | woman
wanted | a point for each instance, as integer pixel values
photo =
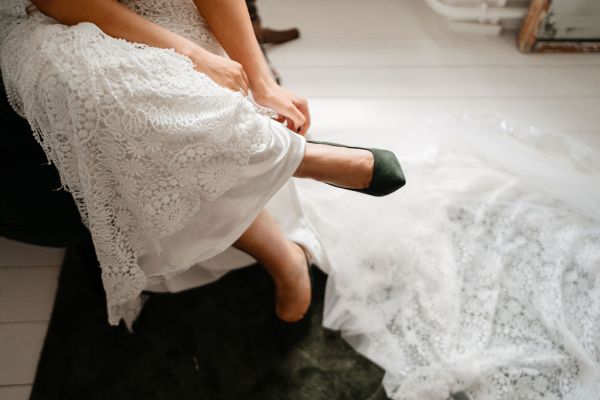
(158, 143)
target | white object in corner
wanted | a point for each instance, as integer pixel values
(481, 17)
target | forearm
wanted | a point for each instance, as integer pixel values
(117, 21)
(230, 23)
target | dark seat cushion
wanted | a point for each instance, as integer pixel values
(32, 210)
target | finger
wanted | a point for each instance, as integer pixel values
(296, 116)
(303, 107)
(242, 86)
(290, 124)
(230, 83)
(246, 80)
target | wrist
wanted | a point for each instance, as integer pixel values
(262, 86)
(193, 52)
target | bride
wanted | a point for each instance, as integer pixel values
(168, 160)
(480, 276)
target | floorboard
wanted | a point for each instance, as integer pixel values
(350, 81)
(18, 392)
(384, 116)
(20, 347)
(16, 254)
(27, 293)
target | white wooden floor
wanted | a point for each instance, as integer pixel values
(366, 66)
(28, 278)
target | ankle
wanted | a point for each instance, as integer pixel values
(337, 165)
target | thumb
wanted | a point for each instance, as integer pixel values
(295, 115)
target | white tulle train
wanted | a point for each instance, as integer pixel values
(482, 274)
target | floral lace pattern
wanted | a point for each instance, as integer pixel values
(139, 137)
(520, 288)
(483, 274)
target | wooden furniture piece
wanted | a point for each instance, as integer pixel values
(561, 26)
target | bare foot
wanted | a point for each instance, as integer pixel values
(340, 166)
(293, 288)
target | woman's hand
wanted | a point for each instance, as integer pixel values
(230, 22)
(291, 108)
(225, 72)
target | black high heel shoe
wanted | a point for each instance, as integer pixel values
(387, 172)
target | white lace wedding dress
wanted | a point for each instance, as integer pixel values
(481, 275)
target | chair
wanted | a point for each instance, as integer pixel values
(32, 210)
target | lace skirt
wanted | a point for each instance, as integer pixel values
(167, 168)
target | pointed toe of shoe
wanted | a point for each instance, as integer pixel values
(387, 173)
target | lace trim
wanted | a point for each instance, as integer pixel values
(138, 154)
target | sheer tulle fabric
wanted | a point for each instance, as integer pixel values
(482, 274)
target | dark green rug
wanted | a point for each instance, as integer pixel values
(219, 341)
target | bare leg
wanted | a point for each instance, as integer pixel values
(284, 260)
(350, 168)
